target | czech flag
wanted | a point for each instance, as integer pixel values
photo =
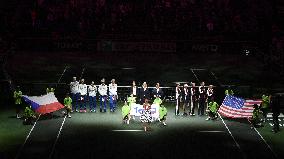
(43, 104)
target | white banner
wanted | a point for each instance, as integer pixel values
(136, 110)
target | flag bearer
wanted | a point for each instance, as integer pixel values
(68, 105)
(255, 116)
(212, 110)
(18, 101)
(112, 95)
(125, 113)
(92, 97)
(83, 94)
(74, 88)
(50, 90)
(265, 105)
(29, 116)
(103, 94)
(162, 114)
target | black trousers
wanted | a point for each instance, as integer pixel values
(275, 122)
(201, 106)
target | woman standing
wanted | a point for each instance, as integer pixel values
(146, 116)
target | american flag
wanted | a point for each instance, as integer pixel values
(235, 107)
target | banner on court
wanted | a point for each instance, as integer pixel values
(136, 110)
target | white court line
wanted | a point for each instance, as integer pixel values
(211, 131)
(62, 74)
(59, 132)
(127, 130)
(237, 144)
(19, 152)
(268, 146)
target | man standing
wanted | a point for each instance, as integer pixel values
(131, 100)
(103, 94)
(178, 98)
(112, 95)
(144, 93)
(186, 98)
(275, 105)
(265, 105)
(134, 89)
(74, 88)
(157, 91)
(83, 94)
(92, 89)
(18, 101)
(202, 99)
(193, 98)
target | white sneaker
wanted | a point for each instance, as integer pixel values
(207, 119)
(18, 117)
(164, 124)
(127, 122)
(69, 116)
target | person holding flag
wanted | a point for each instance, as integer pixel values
(255, 120)
(125, 110)
(18, 101)
(265, 105)
(92, 89)
(68, 105)
(103, 94)
(50, 90)
(162, 114)
(29, 116)
(212, 110)
(112, 95)
(74, 89)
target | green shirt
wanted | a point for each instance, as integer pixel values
(18, 97)
(265, 101)
(50, 90)
(28, 112)
(255, 114)
(131, 100)
(68, 101)
(213, 107)
(125, 110)
(157, 101)
(229, 92)
(162, 112)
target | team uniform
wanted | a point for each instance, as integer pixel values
(18, 101)
(202, 100)
(178, 99)
(185, 98)
(158, 101)
(265, 106)
(255, 116)
(112, 96)
(193, 99)
(83, 94)
(131, 100)
(74, 89)
(103, 96)
(144, 94)
(92, 89)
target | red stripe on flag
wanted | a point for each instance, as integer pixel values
(48, 108)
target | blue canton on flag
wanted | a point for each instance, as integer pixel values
(234, 102)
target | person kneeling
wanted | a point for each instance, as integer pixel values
(212, 111)
(125, 113)
(162, 114)
(29, 116)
